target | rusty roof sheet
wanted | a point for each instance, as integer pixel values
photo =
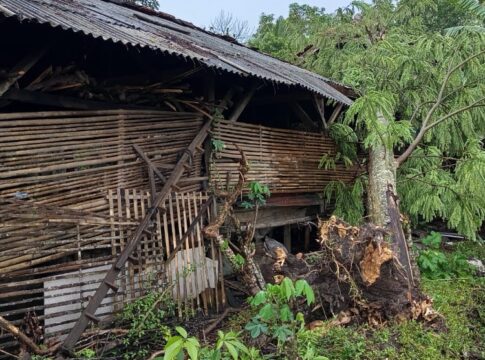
(142, 27)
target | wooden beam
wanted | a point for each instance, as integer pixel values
(149, 163)
(307, 238)
(335, 114)
(243, 103)
(280, 98)
(320, 106)
(67, 102)
(302, 115)
(20, 69)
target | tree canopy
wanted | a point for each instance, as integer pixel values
(420, 65)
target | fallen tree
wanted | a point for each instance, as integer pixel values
(356, 276)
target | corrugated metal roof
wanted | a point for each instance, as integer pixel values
(158, 31)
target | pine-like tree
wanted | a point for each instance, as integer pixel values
(421, 107)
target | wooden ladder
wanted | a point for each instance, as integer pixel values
(109, 280)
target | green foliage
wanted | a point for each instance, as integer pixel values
(180, 344)
(86, 353)
(229, 346)
(348, 199)
(275, 308)
(409, 75)
(434, 264)
(146, 317)
(460, 301)
(257, 195)
(240, 261)
(218, 145)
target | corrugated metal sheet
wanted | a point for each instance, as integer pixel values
(128, 25)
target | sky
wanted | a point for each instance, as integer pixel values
(201, 13)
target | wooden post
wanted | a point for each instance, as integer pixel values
(307, 238)
(287, 237)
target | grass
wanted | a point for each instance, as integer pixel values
(460, 301)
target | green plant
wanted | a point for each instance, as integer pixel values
(86, 353)
(230, 342)
(179, 344)
(275, 316)
(257, 195)
(145, 317)
(218, 145)
(435, 264)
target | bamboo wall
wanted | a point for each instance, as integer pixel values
(285, 160)
(72, 191)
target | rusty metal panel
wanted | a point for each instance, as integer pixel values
(142, 27)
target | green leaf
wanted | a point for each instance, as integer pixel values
(232, 350)
(259, 298)
(282, 333)
(192, 350)
(172, 350)
(181, 331)
(267, 312)
(286, 313)
(299, 286)
(288, 288)
(309, 294)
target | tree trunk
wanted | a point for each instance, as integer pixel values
(382, 201)
(382, 176)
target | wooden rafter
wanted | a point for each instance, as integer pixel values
(320, 106)
(20, 69)
(335, 114)
(302, 115)
(243, 103)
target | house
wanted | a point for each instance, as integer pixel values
(107, 108)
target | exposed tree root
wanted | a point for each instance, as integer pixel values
(357, 277)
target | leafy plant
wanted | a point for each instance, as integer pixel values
(275, 317)
(218, 145)
(146, 317)
(86, 353)
(257, 195)
(179, 344)
(434, 264)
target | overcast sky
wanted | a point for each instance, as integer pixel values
(202, 12)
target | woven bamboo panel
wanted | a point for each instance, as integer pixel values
(72, 158)
(56, 290)
(285, 160)
(56, 229)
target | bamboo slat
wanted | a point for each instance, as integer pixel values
(285, 160)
